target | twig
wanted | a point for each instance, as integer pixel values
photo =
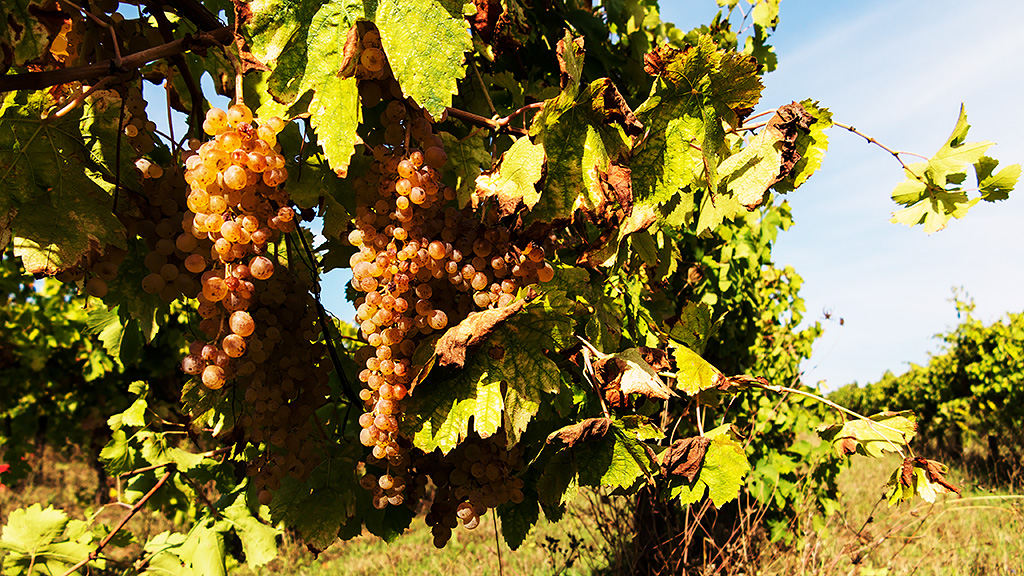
(202, 496)
(45, 79)
(485, 122)
(101, 22)
(80, 98)
(895, 153)
(106, 539)
(209, 454)
(497, 542)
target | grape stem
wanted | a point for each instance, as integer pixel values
(321, 315)
(106, 24)
(106, 539)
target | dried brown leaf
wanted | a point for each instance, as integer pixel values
(685, 457)
(582, 431)
(451, 347)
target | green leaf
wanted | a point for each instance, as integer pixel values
(467, 158)
(425, 43)
(259, 540)
(885, 432)
(721, 474)
(117, 456)
(995, 186)
(696, 91)
(610, 455)
(205, 550)
(514, 182)
(518, 519)
(440, 408)
(318, 506)
(694, 373)
(35, 538)
(932, 192)
(59, 205)
(580, 138)
(694, 326)
(157, 449)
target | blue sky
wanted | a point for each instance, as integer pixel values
(897, 70)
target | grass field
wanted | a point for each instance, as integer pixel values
(978, 534)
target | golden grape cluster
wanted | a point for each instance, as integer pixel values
(422, 265)
(258, 317)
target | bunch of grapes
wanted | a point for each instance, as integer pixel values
(422, 265)
(479, 474)
(259, 318)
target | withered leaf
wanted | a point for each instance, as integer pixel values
(350, 54)
(685, 457)
(936, 473)
(581, 431)
(768, 158)
(656, 357)
(569, 64)
(451, 347)
(632, 373)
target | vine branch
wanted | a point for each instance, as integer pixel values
(106, 539)
(496, 125)
(872, 140)
(47, 78)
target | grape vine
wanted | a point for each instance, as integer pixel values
(560, 265)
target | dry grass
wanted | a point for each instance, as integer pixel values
(976, 534)
(979, 534)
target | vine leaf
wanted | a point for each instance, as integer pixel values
(318, 506)
(23, 32)
(582, 137)
(467, 158)
(810, 147)
(502, 384)
(631, 373)
(995, 186)
(259, 540)
(721, 473)
(426, 45)
(513, 183)
(694, 326)
(39, 541)
(450, 349)
(918, 477)
(304, 49)
(685, 457)
(57, 205)
(694, 373)
(597, 452)
(518, 519)
(768, 158)
(932, 192)
(696, 91)
(886, 432)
